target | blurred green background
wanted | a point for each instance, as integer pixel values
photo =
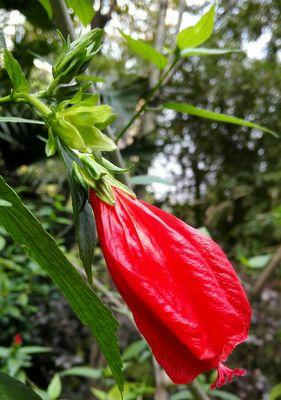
(222, 178)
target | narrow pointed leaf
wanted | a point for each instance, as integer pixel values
(54, 388)
(148, 180)
(15, 72)
(200, 112)
(146, 51)
(197, 34)
(22, 225)
(12, 389)
(21, 120)
(85, 372)
(200, 51)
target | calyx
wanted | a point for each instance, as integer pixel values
(94, 173)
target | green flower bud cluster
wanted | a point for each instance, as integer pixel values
(77, 55)
(78, 122)
(97, 175)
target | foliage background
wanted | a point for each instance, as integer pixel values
(221, 177)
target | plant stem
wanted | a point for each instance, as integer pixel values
(149, 97)
(38, 104)
(5, 99)
(197, 391)
(50, 89)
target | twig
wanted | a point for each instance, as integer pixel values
(62, 18)
(149, 97)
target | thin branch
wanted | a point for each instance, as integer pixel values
(62, 18)
(159, 39)
(149, 97)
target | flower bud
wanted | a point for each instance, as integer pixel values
(77, 55)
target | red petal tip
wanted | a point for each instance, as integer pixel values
(226, 375)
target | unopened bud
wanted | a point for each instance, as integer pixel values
(77, 56)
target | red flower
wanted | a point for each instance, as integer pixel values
(185, 297)
(17, 339)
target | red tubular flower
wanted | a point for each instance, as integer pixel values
(185, 297)
(17, 339)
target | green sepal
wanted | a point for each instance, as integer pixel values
(95, 169)
(114, 169)
(82, 114)
(114, 182)
(102, 188)
(98, 177)
(51, 147)
(68, 133)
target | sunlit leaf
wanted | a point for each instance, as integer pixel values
(197, 34)
(83, 9)
(200, 112)
(275, 392)
(257, 262)
(147, 180)
(85, 372)
(145, 51)
(15, 72)
(200, 51)
(54, 388)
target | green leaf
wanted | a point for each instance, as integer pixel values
(200, 112)
(147, 180)
(197, 34)
(85, 372)
(12, 389)
(182, 395)
(275, 392)
(51, 147)
(145, 51)
(200, 51)
(54, 389)
(33, 350)
(83, 9)
(134, 350)
(47, 6)
(15, 72)
(100, 394)
(21, 120)
(257, 262)
(21, 224)
(221, 394)
(84, 221)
